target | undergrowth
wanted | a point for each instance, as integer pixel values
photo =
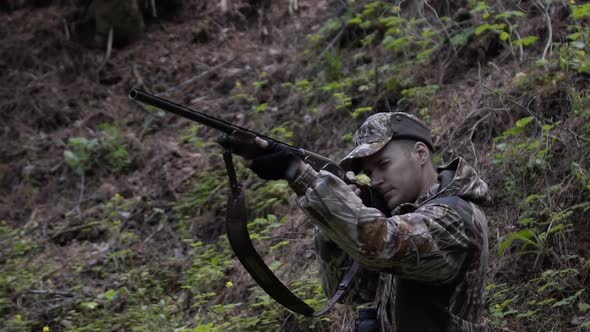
(167, 266)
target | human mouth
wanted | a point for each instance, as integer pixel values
(388, 193)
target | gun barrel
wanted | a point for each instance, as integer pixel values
(317, 161)
(185, 112)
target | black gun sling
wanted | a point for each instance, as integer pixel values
(239, 239)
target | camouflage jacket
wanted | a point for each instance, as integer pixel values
(430, 242)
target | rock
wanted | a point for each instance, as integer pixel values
(124, 16)
(106, 191)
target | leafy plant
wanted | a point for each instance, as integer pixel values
(79, 155)
(523, 153)
(194, 137)
(109, 148)
(114, 148)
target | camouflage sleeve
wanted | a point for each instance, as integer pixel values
(334, 264)
(428, 244)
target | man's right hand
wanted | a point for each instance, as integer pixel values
(353, 183)
(279, 163)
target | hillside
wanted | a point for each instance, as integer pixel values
(112, 213)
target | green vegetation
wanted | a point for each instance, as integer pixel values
(504, 84)
(109, 150)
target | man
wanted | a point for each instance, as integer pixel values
(424, 266)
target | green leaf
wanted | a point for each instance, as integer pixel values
(71, 159)
(502, 146)
(524, 236)
(504, 36)
(510, 13)
(427, 33)
(532, 198)
(89, 305)
(526, 314)
(546, 301)
(425, 55)
(579, 12)
(482, 28)
(526, 41)
(280, 244)
(524, 121)
(541, 62)
(359, 111)
(355, 20)
(566, 301)
(461, 38)
(485, 27)
(109, 295)
(525, 221)
(397, 44)
(574, 36)
(261, 108)
(583, 307)
(391, 21)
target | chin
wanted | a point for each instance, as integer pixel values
(393, 203)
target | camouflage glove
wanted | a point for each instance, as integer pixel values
(280, 162)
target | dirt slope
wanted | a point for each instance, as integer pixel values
(111, 213)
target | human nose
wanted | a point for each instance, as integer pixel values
(376, 180)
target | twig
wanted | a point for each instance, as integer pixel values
(154, 11)
(549, 27)
(109, 49)
(331, 43)
(223, 6)
(160, 227)
(198, 77)
(526, 108)
(81, 198)
(50, 292)
(140, 81)
(293, 6)
(442, 25)
(31, 218)
(472, 132)
(520, 48)
(73, 229)
(285, 321)
(66, 29)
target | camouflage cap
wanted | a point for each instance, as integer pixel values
(381, 128)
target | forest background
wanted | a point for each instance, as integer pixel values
(112, 213)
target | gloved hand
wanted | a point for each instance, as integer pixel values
(279, 163)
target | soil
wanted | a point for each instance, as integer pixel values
(57, 86)
(54, 89)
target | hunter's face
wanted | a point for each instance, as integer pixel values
(395, 172)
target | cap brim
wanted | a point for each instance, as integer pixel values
(352, 163)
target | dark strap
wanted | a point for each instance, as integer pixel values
(239, 239)
(340, 291)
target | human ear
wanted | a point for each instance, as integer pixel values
(422, 153)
